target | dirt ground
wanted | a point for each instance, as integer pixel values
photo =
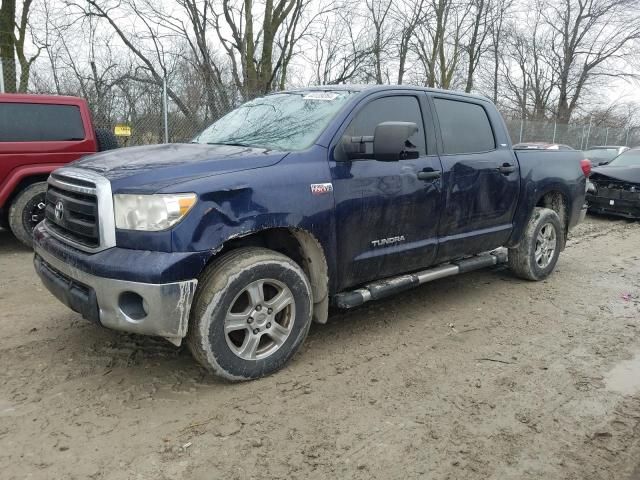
(475, 376)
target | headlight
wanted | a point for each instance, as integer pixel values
(591, 188)
(151, 213)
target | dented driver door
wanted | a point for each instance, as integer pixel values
(387, 213)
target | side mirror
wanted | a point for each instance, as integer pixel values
(391, 141)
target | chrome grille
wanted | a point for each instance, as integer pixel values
(79, 209)
(73, 214)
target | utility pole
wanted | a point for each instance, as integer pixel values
(586, 145)
(164, 108)
(521, 129)
(1, 77)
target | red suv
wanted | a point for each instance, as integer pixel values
(39, 133)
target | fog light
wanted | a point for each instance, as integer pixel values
(133, 305)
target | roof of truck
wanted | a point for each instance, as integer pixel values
(376, 88)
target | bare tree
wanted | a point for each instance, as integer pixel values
(407, 15)
(499, 14)
(378, 15)
(7, 44)
(339, 52)
(438, 43)
(13, 35)
(152, 64)
(254, 34)
(515, 69)
(190, 26)
(20, 37)
(479, 33)
(592, 38)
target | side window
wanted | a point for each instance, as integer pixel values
(465, 127)
(32, 122)
(389, 109)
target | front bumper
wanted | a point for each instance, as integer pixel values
(143, 308)
(614, 206)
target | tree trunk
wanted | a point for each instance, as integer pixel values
(564, 112)
(7, 44)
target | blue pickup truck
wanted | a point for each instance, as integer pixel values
(295, 202)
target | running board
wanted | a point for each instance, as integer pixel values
(391, 286)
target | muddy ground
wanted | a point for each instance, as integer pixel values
(476, 376)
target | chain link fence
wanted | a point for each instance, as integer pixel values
(148, 114)
(580, 136)
(8, 76)
(143, 113)
(147, 126)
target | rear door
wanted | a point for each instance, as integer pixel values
(386, 212)
(481, 179)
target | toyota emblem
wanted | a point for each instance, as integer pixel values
(59, 211)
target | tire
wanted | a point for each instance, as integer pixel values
(223, 295)
(27, 210)
(533, 258)
(106, 140)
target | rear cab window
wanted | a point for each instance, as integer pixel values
(34, 122)
(465, 127)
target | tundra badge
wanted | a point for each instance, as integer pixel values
(387, 241)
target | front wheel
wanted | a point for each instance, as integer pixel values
(27, 210)
(537, 254)
(251, 313)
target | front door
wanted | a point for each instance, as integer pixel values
(387, 213)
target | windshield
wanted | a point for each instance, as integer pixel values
(627, 159)
(283, 121)
(601, 153)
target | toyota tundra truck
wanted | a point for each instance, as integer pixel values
(296, 202)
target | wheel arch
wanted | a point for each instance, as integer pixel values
(19, 187)
(20, 178)
(303, 248)
(557, 201)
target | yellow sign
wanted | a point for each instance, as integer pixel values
(122, 130)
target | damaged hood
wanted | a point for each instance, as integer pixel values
(629, 174)
(157, 166)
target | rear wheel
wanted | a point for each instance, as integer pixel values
(27, 210)
(536, 256)
(251, 313)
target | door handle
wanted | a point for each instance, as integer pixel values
(429, 174)
(506, 168)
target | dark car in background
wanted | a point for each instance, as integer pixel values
(541, 146)
(603, 154)
(615, 188)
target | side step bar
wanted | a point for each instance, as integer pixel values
(391, 286)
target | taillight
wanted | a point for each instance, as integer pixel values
(585, 165)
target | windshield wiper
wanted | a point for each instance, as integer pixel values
(231, 144)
